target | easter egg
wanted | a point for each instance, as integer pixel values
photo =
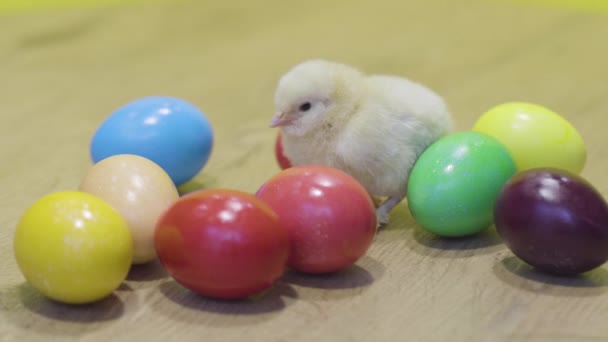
(282, 160)
(455, 182)
(73, 247)
(140, 190)
(171, 132)
(222, 243)
(554, 220)
(330, 217)
(535, 136)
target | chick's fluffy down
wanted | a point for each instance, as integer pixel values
(372, 127)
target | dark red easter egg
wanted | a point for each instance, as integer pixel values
(554, 220)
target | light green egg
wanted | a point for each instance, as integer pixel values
(456, 181)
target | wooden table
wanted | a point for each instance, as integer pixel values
(62, 71)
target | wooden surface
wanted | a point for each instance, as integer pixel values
(63, 71)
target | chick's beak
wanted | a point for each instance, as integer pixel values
(280, 119)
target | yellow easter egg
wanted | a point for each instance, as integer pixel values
(73, 247)
(535, 136)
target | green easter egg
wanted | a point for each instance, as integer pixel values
(456, 181)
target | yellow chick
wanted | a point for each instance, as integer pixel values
(372, 127)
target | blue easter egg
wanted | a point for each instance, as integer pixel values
(171, 132)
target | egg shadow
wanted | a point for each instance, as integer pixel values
(38, 313)
(485, 242)
(150, 271)
(202, 309)
(355, 276)
(125, 287)
(511, 270)
(343, 284)
(106, 309)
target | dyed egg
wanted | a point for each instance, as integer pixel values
(454, 184)
(282, 160)
(554, 220)
(171, 132)
(140, 190)
(222, 243)
(73, 247)
(535, 136)
(330, 217)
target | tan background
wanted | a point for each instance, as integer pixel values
(63, 71)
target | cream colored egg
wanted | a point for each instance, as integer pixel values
(139, 190)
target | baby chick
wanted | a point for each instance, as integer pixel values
(372, 127)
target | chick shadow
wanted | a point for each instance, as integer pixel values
(38, 313)
(520, 275)
(397, 229)
(400, 219)
(343, 284)
(218, 312)
(150, 271)
(428, 244)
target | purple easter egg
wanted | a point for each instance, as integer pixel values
(553, 220)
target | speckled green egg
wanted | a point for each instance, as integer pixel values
(456, 181)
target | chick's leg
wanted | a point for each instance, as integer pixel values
(383, 211)
(377, 201)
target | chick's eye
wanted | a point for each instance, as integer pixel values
(304, 107)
